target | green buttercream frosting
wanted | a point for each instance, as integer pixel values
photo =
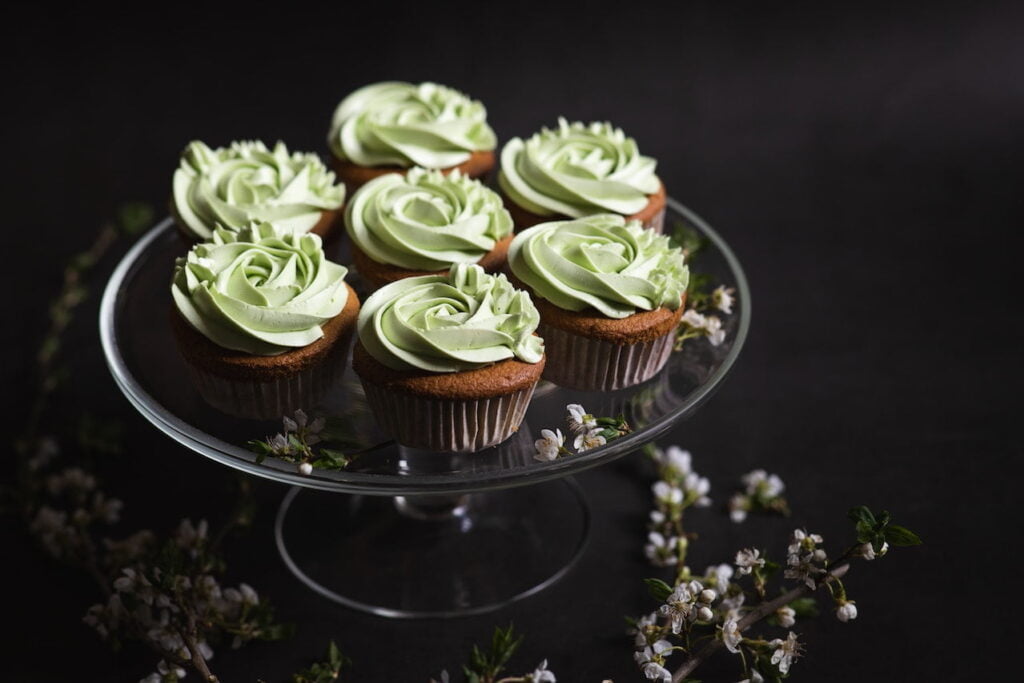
(404, 124)
(600, 262)
(577, 170)
(426, 220)
(446, 323)
(260, 290)
(232, 186)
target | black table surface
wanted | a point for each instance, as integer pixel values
(864, 166)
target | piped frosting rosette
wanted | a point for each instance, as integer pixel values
(439, 358)
(610, 294)
(261, 290)
(600, 262)
(576, 170)
(463, 320)
(426, 220)
(404, 124)
(232, 186)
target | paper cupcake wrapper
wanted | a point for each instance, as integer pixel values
(657, 222)
(579, 362)
(269, 399)
(447, 424)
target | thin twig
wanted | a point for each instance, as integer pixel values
(755, 615)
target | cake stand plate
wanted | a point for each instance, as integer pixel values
(419, 534)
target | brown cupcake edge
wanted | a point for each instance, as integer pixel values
(379, 274)
(500, 379)
(204, 354)
(524, 218)
(478, 165)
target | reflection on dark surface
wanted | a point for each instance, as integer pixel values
(142, 329)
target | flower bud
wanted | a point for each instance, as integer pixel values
(846, 611)
(306, 469)
(707, 595)
(705, 614)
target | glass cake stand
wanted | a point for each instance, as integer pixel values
(413, 534)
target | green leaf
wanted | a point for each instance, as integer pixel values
(805, 607)
(770, 568)
(659, 589)
(134, 217)
(687, 239)
(861, 514)
(901, 536)
(865, 532)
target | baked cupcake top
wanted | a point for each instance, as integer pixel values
(577, 170)
(403, 124)
(261, 290)
(426, 220)
(232, 186)
(446, 323)
(600, 262)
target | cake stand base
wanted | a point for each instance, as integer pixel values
(433, 556)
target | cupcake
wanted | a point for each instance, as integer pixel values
(232, 186)
(262, 319)
(449, 362)
(423, 223)
(578, 170)
(392, 126)
(610, 295)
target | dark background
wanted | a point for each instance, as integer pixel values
(864, 166)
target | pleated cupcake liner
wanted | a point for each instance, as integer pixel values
(436, 424)
(587, 364)
(657, 222)
(258, 399)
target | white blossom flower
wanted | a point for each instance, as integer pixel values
(804, 557)
(846, 611)
(786, 652)
(723, 298)
(760, 483)
(660, 550)
(541, 674)
(738, 506)
(650, 661)
(731, 635)
(747, 559)
(666, 493)
(592, 439)
(718, 576)
(73, 480)
(549, 445)
(713, 330)
(694, 319)
(697, 488)
(305, 468)
(732, 602)
(867, 551)
(643, 624)
(786, 616)
(46, 450)
(580, 421)
(189, 536)
(679, 607)
(675, 459)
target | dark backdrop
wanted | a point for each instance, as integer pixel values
(864, 165)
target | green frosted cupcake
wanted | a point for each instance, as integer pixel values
(578, 170)
(610, 295)
(262, 320)
(392, 126)
(232, 186)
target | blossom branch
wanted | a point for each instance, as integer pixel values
(755, 615)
